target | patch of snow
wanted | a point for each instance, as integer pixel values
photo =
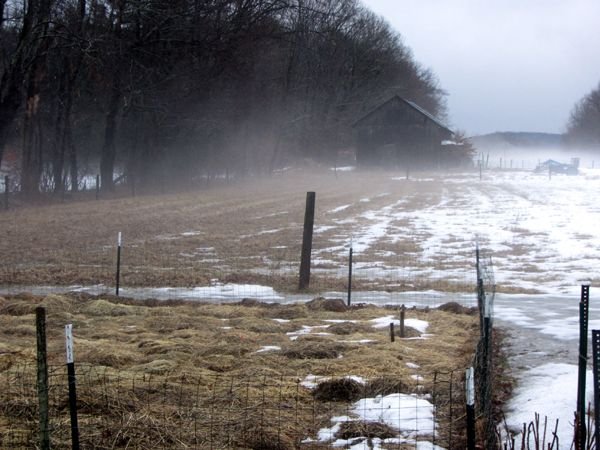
(339, 208)
(268, 348)
(551, 390)
(417, 324)
(411, 414)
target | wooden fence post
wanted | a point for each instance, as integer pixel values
(309, 221)
(97, 187)
(402, 314)
(392, 335)
(42, 378)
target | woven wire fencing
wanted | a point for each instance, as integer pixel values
(124, 410)
(185, 267)
(483, 360)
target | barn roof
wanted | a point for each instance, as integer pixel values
(409, 103)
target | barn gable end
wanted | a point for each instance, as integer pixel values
(400, 133)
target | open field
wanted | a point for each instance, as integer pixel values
(245, 233)
(407, 235)
(413, 243)
(158, 374)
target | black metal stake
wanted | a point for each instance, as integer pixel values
(584, 305)
(350, 277)
(596, 369)
(470, 407)
(42, 378)
(118, 264)
(72, 387)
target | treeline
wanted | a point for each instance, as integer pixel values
(583, 129)
(171, 89)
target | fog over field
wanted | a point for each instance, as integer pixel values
(165, 152)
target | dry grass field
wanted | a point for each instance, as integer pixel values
(249, 229)
(175, 374)
(161, 367)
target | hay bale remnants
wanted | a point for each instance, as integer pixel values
(348, 328)
(385, 385)
(369, 430)
(327, 304)
(312, 349)
(339, 390)
(457, 308)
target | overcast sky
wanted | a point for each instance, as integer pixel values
(508, 65)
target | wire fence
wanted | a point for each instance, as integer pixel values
(483, 360)
(151, 269)
(125, 410)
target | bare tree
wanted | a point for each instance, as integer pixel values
(583, 128)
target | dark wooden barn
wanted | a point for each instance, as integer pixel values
(399, 133)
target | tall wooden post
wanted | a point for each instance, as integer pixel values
(42, 378)
(402, 316)
(309, 221)
(97, 187)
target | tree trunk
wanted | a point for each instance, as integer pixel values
(60, 124)
(31, 170)
(109, 151)
(26, 64)
(73, 163)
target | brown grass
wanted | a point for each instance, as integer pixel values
(151, 363)
(249, 232)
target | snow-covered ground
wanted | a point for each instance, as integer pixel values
(543, 235)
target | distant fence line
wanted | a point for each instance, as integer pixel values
(404, 279)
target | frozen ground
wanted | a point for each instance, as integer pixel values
(542, 233)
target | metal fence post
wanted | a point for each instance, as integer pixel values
(118, 276)
(470, 405)
(42, 378)
(583, 338)
(596, 369)
(72, 386)
(350, 276)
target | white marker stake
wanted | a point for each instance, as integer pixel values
(470, 391)
(69, 343)
(470, 386)
(72, 386)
